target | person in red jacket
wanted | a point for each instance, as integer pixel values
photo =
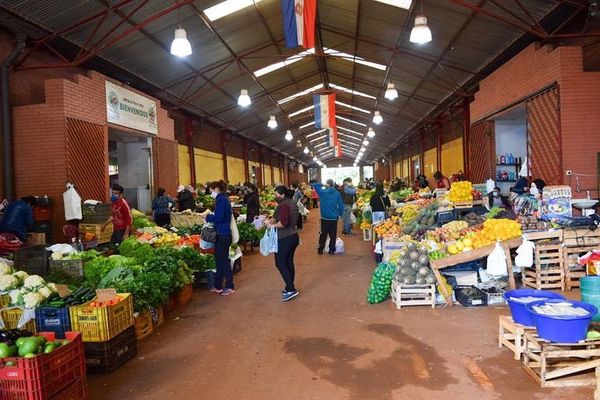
(121, 216)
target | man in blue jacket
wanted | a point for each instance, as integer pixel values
(332, 208)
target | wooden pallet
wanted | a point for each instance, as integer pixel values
(581, 237)
(510, 335)
(561, 364)
(574, 271)
(548, 272)
(413, 295)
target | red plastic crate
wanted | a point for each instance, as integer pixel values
(45, 375)
(75, 391)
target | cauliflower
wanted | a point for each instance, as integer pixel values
(5, 269)
(8, 282)
(52, 286)
(21, 276)
(33, 281)
(32, 299)
(45, 291)
(16, 296)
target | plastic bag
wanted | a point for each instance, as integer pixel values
(524, 258)
(302, 210)
(496, 262)
(234, 255)
(339, 245)
(490, 185)
(72, 202)
(259, 222)
(235, 234)
(352, 218)
(381, 283)
(268, 243)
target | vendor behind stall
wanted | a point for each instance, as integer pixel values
(18, 217)
(497, 200)
(441, 182)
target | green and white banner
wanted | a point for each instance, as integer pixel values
(127, 108)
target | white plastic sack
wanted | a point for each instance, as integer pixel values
(61, 248)
(72, 202)
(235, 234)
(302, 210)
(524, 258)
(378, 247)
(259, 221)
(352, 218)
(496, 262)
(232, 257)
(490, 185)
(339, 245)
(268, 244)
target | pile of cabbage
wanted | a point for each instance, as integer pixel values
(24, 290)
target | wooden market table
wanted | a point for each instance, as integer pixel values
(476, 254)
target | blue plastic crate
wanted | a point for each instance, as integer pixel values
(468, 266)
(50, 319)
(444, 217)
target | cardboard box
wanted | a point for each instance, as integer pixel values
(35, 239)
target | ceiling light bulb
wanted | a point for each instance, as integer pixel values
(306, 151)
(288, 135)
(315, 159)
(371, 133)
(420, 33)
(272, 122)
(391, 93)
(180, 46)
(377, 118)
(244, 99)
(365, 142)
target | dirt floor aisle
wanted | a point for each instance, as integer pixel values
(327, 344)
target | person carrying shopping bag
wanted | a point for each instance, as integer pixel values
(221, 219)
(284, 220)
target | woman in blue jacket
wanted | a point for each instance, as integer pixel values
(221, 219)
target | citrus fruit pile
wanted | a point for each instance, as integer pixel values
(496, 229)
(460, 191)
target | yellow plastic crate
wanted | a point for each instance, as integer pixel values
(4, 300)
(11, 317)
(102, 236)
(99, 324)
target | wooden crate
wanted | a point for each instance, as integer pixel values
(413, 295)
(102, 236)
(548, 272)
(143, 325)
(561, 364)
(511, 335)
(574, 271)
(581, 237)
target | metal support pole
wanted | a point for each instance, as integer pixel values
(189, 132)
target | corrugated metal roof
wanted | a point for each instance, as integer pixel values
(255, 36)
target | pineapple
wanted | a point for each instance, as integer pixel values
(420, 280)
(424, 271)
(430, 279)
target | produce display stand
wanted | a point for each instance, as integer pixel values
(511, 335)
(577, 241)
(556, 364)
(476, 254)
(548, 271)
(187, 219)
(413, 295)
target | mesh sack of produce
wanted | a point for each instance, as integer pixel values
(381, 283)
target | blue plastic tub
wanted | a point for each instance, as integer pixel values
(518, 310)
(562, 329)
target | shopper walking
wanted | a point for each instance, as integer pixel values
(161, 208)
(121, 216)
(297, 197)
(379, 204)
(283, 220)
(314, 197)
(332, 208)
(252, 202)
(221, 218)
(348, 192)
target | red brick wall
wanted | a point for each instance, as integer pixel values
(532, 70)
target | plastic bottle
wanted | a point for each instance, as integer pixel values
(511, 158)
(502, 159)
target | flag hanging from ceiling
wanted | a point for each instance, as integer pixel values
(299, 18)
(338, 149)
(324, 111)
(332, 138)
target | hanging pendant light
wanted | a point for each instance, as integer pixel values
(420, 33)
(315, 159)
(377, 118)
(391, 93)
(272, 122)
(288, 135)
(244, 99)
(371, 133)
(306, 151)
(180, 46)
(365, 142)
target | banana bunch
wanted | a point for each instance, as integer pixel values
(409, 211)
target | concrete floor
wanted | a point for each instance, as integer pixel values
(327, 344)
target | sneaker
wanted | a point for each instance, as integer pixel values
(215, 290)
(227, 292)
(287, 296)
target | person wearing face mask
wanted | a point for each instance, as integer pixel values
(284, 220)
(221, 219)
(121, 216)
(185, 199)
(252, 202)
(497, 200)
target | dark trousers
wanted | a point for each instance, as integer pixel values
(328, 228)
(299, 222)
(117, 236)
(315, 203)
(162, 220)
(284, 260)
(222, 260)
